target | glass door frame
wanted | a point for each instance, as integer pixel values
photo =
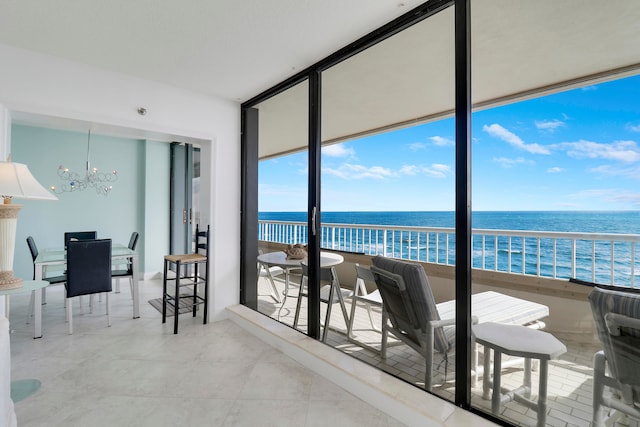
(249, 215)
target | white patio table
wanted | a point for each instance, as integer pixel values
(279, 259)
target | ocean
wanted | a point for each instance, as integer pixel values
(623, 222)
(430, 247)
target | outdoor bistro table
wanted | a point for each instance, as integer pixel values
(279, 259)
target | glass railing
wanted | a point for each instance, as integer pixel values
(593, 257)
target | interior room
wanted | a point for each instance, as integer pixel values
(117, 88)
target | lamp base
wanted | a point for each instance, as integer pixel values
(9, 281)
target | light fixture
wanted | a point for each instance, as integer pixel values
(15, 181)
(100, 181)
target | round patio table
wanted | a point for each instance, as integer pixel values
(279, 259)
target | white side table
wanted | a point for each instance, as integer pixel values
(30, 286)
(519, 341)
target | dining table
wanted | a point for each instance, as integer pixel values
(280, 259)
(119, 253)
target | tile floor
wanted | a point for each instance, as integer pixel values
(137, 373)
(569, 380)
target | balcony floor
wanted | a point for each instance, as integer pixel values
(569, 381)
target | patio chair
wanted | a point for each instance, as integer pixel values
(411, 314)
(368, 299)
(617, 366)
(330, 294)
(269, 272)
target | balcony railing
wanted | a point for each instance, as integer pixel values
(594, 257)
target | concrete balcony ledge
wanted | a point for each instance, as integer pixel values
(404, 402)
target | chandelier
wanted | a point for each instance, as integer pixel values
(73, 181)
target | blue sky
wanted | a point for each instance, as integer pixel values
(576, 150)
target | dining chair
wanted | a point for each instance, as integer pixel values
(79, 235)
(188, 274)
(53, 280)
(330, 293)
(88, 272)
(125, 269)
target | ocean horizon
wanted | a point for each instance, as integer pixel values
(500, 254)
(620, 222)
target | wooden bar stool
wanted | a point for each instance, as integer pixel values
(188, 274)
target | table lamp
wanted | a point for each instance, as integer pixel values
(15, 181)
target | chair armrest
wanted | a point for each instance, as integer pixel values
(442, 322)
(450, 322)
(616, 321)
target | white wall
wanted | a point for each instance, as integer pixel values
(37, 85)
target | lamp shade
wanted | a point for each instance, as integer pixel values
(16, 181)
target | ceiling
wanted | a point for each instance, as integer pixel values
(232, 49)
(519, 50)
(235, 49)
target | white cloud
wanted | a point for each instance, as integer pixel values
(409, 170)
(589, 88)
(338, 150)
(499, 132)
(441, 141)
(623, 151)
(509, 163)
(549, 125)
(609, 195)
(555, 169)
(437, 170)
(633, 128)
(629, 172)
(351, 171)
(417, 146)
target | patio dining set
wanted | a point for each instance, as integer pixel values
(510, 328)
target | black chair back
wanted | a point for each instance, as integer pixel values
(32, 248)
(133, 241)
(79, 235)
(88, 267)
(34, 253)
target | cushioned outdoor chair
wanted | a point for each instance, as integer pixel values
(411, 314)
(617, 366)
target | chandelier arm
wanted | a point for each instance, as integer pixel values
(100, 181)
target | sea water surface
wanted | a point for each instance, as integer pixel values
(510, 257)
(622, 222)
